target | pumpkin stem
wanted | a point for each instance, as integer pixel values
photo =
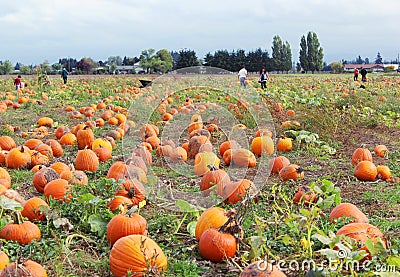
(131, 192)
(131, 211)
(222, 228)
(18, 217)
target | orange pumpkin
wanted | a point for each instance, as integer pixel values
(235, 191)
(361, 154)
(86, 159)
(244, 158)
(85, 138)
(213, 217)
(284, 144)
(304, 195)
(58, 189)
(291, 172)
(215, 177)
(136, 254)
(32, 209)
(203, 161)
(123, 225)
(262, 144)
(383, 172)
(348, 210)
(217, 246)
(365, 171)
(120, 203)
(229, 144)
(381, 150)
(277, 163)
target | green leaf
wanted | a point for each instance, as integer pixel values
(185, 206)
(191, 228)
(328, 202)
(394, 260)
(85, 198)
(317, 189)
(286, 239)
(10, 204)
(323, 239)
(256, 244)
(329, 253)
(370, 246)
(305, 212)
(97, 224)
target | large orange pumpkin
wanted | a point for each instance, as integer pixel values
(23, 233)
(213, 217)
(348, 210)
(203, 161)
(86, 159)
(366, 171)
(217, 246)
(235, 191)
(361, 154)
(261, 145)
(277, 163)
(136, 254)
(123, 225)
(27, 268)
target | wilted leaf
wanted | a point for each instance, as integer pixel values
(323, 239)
(191, 228)
(10, 204)
(61, 222)
(329, 253)
(97, 224)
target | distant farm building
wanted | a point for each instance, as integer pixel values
(373, 67)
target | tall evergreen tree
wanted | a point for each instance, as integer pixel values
(277, 51)
(378, 59)
(281, 55)
(287, 57)
(303, 54)
(311, 53)
(187, 58)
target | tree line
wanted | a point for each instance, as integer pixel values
(162, 61)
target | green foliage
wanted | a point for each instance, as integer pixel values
(187, 58)
(337, 67)
(311, 54)
(281, 55)
(166, 61)
(6, 68)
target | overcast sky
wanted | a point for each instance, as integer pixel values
(32, 31)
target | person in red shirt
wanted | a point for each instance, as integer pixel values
(355, 74)
(17, 82)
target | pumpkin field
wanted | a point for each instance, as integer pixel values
(199, 177)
